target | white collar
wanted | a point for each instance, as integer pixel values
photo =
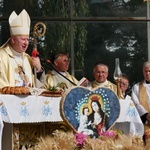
(63, 73)
(16, 54)
(101, 84)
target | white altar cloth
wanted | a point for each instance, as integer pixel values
(129, 120)
(28, 109)
(32, 109)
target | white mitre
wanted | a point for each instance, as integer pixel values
(19, 24)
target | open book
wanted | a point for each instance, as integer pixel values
(83, 82)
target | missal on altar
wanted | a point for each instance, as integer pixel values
(83, 82)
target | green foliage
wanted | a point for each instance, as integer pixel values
(54, 88)
(93, 39)
(58, 34)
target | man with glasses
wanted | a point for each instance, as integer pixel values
(100, 73)
(124, 84)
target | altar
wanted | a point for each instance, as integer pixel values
(26, 118)
(129, 120)
(33, 116)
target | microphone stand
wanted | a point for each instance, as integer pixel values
(53, 67)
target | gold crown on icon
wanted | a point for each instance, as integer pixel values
(94, 97)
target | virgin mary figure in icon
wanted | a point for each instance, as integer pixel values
(97, 117)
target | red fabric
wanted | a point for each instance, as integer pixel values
(35, 53)
(99, 128)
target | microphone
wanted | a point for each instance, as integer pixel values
(35, 53)
(43, 59)
(47, 61)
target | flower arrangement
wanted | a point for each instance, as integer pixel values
(54, 88)
(59, 87)
(109, 134)
(80, 139)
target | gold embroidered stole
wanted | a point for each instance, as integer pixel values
(143, 97)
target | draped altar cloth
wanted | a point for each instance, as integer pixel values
(34, 109)
(29, 109)
(129, 120)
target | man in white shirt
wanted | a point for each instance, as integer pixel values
(141, 98)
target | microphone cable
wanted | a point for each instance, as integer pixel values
(47, 62)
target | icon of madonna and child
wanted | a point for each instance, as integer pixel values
(92, 118)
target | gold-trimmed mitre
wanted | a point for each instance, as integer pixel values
(19, 24)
